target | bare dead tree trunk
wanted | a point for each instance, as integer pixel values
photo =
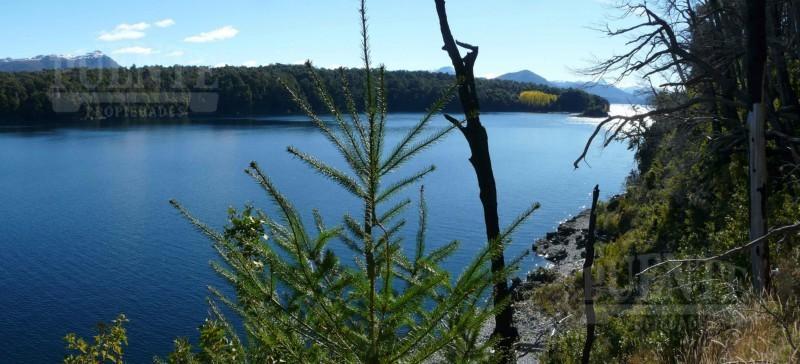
(588, 283)
(756, 56)
(478, 141)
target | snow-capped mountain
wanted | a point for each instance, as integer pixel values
(94, 59)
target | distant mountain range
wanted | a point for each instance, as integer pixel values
(614, 95)
(446, 70)
(93, 60)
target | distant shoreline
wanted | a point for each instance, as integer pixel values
(258, 118)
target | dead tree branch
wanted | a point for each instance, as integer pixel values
(783, 230)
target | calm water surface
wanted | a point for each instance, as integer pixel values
(86, 231)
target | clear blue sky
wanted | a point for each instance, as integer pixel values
(546, 36)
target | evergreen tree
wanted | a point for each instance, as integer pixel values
(299, 303)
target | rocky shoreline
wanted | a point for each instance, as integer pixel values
(564, 249)
(565, 246)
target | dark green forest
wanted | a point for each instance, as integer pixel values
(246, 91)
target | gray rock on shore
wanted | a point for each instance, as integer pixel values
(565, 247)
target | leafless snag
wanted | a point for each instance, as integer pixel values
(478, 141)
(588, 284)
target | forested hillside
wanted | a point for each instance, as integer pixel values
(245, 91)
(676, 278)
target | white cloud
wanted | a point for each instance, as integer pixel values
(225, 32)
(250, 63)
(135, 27)
(165, 23)
(120, 35)
(125, 31)
(175, 54)
(134, 50)
(219, 65)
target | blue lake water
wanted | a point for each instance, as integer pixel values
(86, 231)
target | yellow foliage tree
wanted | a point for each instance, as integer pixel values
(537, 98)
